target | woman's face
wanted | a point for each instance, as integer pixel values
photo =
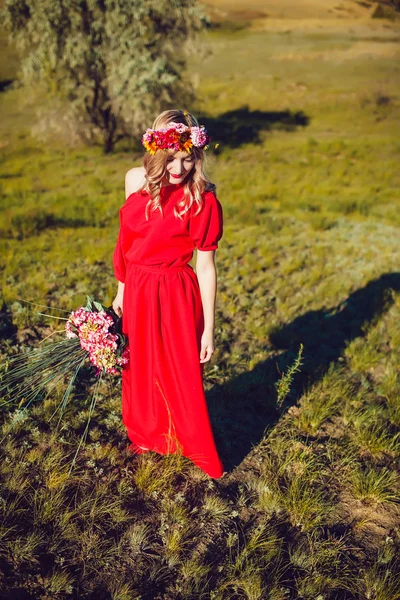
(179, 165)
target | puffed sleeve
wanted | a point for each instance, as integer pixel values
(119, 261)
(206, 228)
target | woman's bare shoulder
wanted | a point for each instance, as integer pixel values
(134, 179)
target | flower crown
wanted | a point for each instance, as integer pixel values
(177, 136)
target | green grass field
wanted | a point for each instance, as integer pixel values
(307, 117)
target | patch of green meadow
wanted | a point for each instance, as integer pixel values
(309, 256)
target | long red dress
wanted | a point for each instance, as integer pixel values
(163, 402)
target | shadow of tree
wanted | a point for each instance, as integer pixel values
(5, 84)
(242, 126)
(244, 408)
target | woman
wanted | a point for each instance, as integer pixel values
(167, 309)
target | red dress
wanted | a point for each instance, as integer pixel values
(163, 402)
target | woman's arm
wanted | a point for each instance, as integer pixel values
(207, 277)
(134, 178)
(119, 298)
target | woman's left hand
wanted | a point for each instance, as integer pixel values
(207, 346)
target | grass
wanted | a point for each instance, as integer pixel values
(303, 388)
(374, 486)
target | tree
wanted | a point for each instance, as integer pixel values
(115, 62)
(395, 4)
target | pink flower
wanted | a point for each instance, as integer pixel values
(199, 136)
(93, 330)
(179, 127)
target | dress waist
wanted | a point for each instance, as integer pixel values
(160, 268)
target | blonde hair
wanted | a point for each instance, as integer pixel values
(156, 168)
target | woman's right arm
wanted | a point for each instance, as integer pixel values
(119, 298)
(134, 179)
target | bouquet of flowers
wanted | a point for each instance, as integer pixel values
(95, 328)
(92, 333)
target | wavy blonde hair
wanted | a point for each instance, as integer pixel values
(155, 166)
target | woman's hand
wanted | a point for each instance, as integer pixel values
(207, 346)
(117, 303)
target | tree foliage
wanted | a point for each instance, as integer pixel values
(115, 62)
(395, 4)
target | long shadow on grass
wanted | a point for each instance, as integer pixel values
(5, 84)
(243, 409)
(242, 126)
